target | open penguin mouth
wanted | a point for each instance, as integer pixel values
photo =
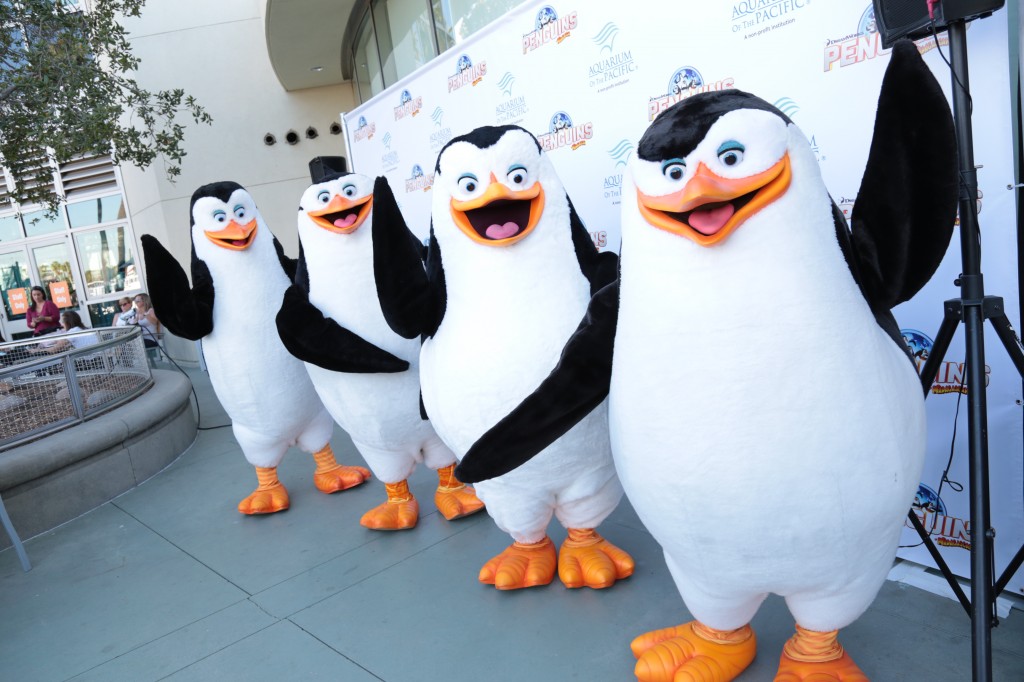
(500, 217)
(234, 237)
(709, 208)
(341, 216)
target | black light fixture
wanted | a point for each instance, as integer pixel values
(311, 133)
(269, 139)
(335, 128)
(291, 137)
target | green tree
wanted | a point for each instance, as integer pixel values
(66, 90)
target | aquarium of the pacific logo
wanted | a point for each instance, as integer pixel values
(562, 132)
(753, 18)
(548, 28)
(364, 130)
(408, 105)
(466, 73)
(441, 133)
(930, 510)
(685, 82)
(612, 184)
(419, 181)
(513, 108)
(613, 68)
(389, 159)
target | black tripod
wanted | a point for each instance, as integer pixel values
(973, 308)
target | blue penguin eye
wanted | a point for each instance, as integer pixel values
(349, 190)
(468, 183)
(240, 212)
(516, 175)
(730, 153)
(220, 216)
(323, 197)
(674, 169)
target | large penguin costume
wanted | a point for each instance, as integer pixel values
(510, 269)
(380, 411)
(752, 355)
(239, 274)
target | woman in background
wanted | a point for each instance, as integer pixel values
(43, 316)
(147, 320)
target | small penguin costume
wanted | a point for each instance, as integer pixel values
(239, 274)
(366, 374)
(510, 269)
(749, 353)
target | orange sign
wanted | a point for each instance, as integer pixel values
(18, 298)
(60, 294)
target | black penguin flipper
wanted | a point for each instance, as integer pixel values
(402, 286)
(321, 341)
(437, 290)
(574, 388)
(599, 268)
(289, 265)
(185, 311)
(906, 205)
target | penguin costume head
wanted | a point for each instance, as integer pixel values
(493, 187)
(338, 204)
(225, 223)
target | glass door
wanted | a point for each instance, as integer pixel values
(15, 283)
(55, 270)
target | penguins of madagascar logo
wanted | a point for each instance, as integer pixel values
(364, 130)
(466, 73)
(685, 82)
(949, 375)
(419, 180)
(408, 105)
(948, 531)
(549, 28)
(864, 44)
(562, 133)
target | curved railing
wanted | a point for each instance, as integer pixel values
(45, 387)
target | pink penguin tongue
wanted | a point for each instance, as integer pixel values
(711, 218)
(346, 221)
(501, 231)
(238, 242)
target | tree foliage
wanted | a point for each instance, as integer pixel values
(66, 89)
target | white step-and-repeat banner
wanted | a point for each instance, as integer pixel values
(587, 79)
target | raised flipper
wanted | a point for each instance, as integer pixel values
(321, 341)
(600, 268)
(185, 311)
(906, 206)
(407, 298)
(287, 264)
(576, 386)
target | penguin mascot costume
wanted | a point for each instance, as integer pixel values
(239, 275)
(334, 286)
(510, 269)
(748, 352)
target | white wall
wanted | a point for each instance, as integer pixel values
(217, 52)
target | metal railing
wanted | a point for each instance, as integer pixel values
(50, 383)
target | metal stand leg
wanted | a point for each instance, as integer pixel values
(15, 540)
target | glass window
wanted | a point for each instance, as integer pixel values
(102, 314)
(403, 35)
(53, 265)
(10, 228)
(368, 74)
(106, 260)
(13, 275)
(95, 211)
(456, 20)
(38, 223)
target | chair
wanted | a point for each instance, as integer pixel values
(26, 565)
(153, 353)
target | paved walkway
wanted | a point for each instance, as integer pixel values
(169, 581)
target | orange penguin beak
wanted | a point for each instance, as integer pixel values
(499, 216)
(709, 207)
(342, 216)
(234, 236)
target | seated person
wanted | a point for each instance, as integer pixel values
(127, 315)
(71, 322)
(151, 328)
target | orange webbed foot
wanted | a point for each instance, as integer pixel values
(811, 656)
(520, 566)
(455, 503)
(587, 559)
(265, 501)
(340, 478)
(400, 515)
(680, 654)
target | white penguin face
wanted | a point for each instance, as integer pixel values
(340, 205)
(496, 194)
(740, 166)
(230, 225)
